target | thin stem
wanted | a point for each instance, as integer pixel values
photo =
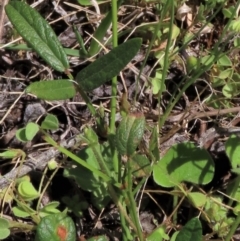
(166, 57)
(153, 39)
(104, 168)
(132, 206)
(120, 206)
(175, 202)
(233, 228)
(174, 99)
(125, 229)
(75, 158)
(234, 190)
(114, 79)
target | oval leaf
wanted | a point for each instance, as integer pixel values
(56, 227)
(20, 212)
(108, 66)
(130, 133)
(50, 122)
(184, 162)
(4, 228)
(231, 89)
(197, 199)
(38, 33)
(141, 166)
(31, 130)
(27, 190)
(52, 89)
(191, 231)
(101, 32)
(21, 134)
(233, 150)
(9, 154)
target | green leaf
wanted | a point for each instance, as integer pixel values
(27, 190)
(174, 236)
(50, 122)
(231, 89)
(153, 144)
(158, 234)
(184, 162)
(4, 228)
(81, 174)
(76, 204)
(52, 89)
(141, 166)
(227, 73)
(49, 209)
(23, 211)
(21, 134)
(191, 231)
(197, 199)
(129, 133)
(100, 32)
(19, 212)
(95, 185)
(108, 66)
(207, 60)
(31, 130)
(215, 210)
(224, 61)
(38, 33)
(9, 154)
(236, 77)
(234, 25)
(175, 32)
(227, 12)
(233, 188)
(50, 206)
(156, 85)
(56, 227)
(232, 149)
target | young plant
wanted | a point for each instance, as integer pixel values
(33, 29)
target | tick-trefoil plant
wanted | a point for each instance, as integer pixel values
(110, 166)
(39, 35)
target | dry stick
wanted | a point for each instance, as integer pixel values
(214, 112)
(194, 115)
(35, 161)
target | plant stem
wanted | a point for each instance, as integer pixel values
(114, 79)
(233, 190)
(22, 226)
(104, 168)
(125, 229)
(153, 39)
(88, 101)
(233, 228)
(174, 99)
(120, 206)
(175, 202)
(75, 158)
(166, 57)
(132, 206)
